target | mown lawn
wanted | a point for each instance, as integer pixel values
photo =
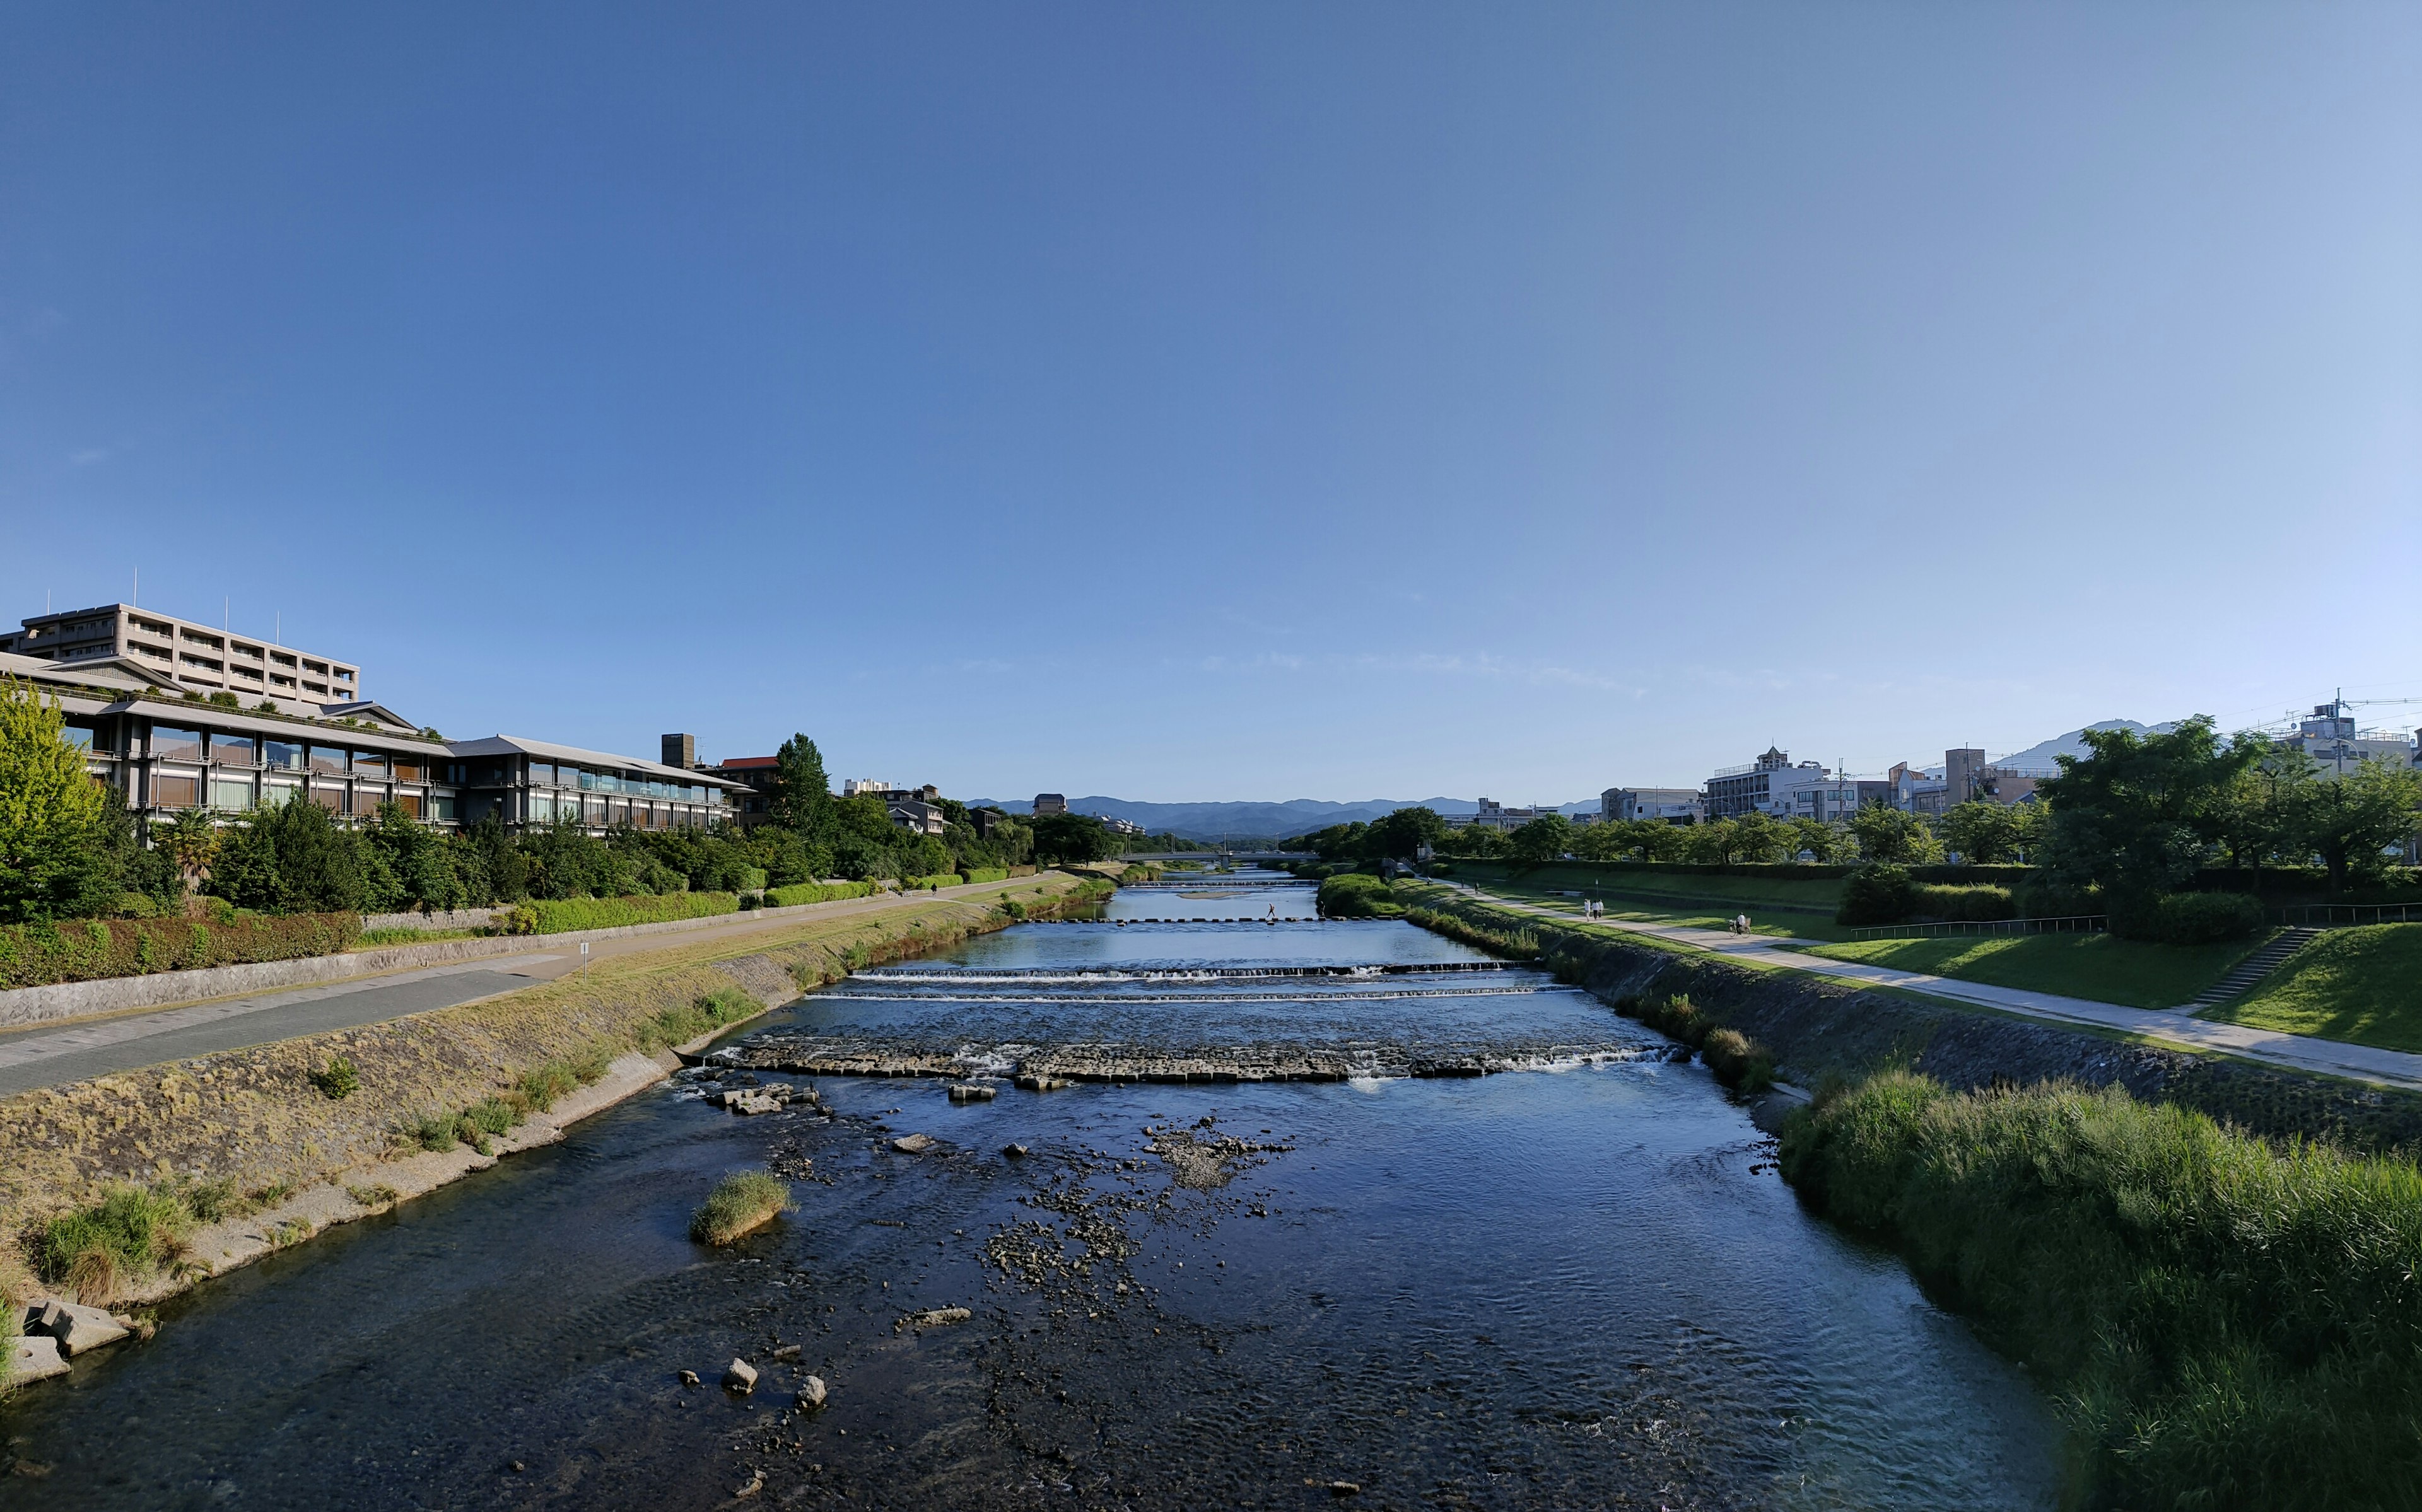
(2099, 967)
(2363, 986)
(1780, 909)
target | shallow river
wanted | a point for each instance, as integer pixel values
(1577, 1284)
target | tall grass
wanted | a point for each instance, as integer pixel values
(741, 1202)
(703, 1015)
(1518, 944)
(2226, 1325)
(128, 1235)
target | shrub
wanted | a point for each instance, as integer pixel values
(338, 1079)
(743, 1201)
(1517, 945)
(1675, 1018)
(544, 1084)
(2188, 918)
(2225, 1324)
(432, 1131)
(129, 1235)
(1357, 896)
(39, 954)
(939, 879)
(798, 892)
(986, 874)
(1876, 893)
(1938, 900)
(679, 1026)
(563, 915)
(1739, 1062)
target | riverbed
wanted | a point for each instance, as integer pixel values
(1575, 1281)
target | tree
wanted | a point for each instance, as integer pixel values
(1758, 836)
(2351, 822)
(1712, 844)
(2138, 815)
(802, 801)
(1822, 841)
(1984, 834)
(1473, 842)
(1401, 833)
(293, 858)
(192, 841)
(1543, 838)
(53, 852)
(1891, 835)
(1064, 838)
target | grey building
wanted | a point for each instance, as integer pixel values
(1050, 804)
(1674, 806)
(196, 655)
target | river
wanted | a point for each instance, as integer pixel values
(1579, 1283)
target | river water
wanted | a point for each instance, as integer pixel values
(1579, 1283)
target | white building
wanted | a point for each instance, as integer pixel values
(1674, 806)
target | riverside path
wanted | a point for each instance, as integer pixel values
(2330, 1057)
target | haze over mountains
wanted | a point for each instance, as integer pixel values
(1299, 816)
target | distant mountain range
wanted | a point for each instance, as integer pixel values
(1301, 816)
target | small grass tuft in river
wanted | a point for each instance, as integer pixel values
(740, 1203)
(2225, 1323)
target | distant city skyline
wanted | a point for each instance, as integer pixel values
(1234, 402)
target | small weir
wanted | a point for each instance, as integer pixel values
(1120, 1213)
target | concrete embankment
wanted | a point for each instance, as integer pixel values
(1817, 1028)
(257, 1119)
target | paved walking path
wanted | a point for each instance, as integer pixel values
(2331, 1057)
(54, 1054)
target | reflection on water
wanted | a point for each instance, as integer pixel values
(1579, 1288)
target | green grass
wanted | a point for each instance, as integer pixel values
(1697, 908)
(1820, 895)
(730, 1004)
(373, 939)
(2222, 1323)
(741, 1202)
(2362, 985)
(2101, 968)
(128, 1235)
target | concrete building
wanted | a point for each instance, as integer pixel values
(1493, 815)
(196, 655)
(917, 816)
(166, 747)
(753, 798)
(1674, 806)
(2331, 742)
(1050, 804)
(1773, 786)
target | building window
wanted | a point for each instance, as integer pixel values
(327, 758)
(409, 803)
(592, 811)
(231, 793)
(542, 808)
(233, 750)
(367, 799)
(79, 736)
(284, 756)
(443, 806)
(331, 799)
(174, 790)
(409, 769)
(371, 762)
(175, 745)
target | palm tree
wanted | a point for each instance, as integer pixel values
(191, 840)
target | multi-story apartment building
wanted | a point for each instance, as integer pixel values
(1674, 806)
(168, 746)
(197, 655)
(1771, 785)
(2331, 742)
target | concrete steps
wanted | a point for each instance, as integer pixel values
(2261, 964)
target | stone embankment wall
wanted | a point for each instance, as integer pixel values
(1817, 1028)
(255, 1116)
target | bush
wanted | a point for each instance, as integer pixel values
(338, 1079)
(39, 954)
(1518, 944)
(1936, 900)
(939, 879)
(127, 1237)
(741, 1202)
(2224, 1324)
(1876, 893)
(798, 892)
(2188, 918)
(986, 874)
(679, 1026)
(564, 915)
(1357, 896)
(1739, 1062)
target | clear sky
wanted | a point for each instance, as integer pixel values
(1229, 400)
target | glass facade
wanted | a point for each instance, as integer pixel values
(327, 758)
(174, 790)
(231, 793)
(233, 750)
(175, 745)
(282, 756)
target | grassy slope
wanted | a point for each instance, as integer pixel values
(2359, 985)
(1775, 907)
(2099, 967)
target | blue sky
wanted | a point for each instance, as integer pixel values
(1199, 401)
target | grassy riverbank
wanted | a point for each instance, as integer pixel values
(264, 1121)
(2101, 968)
(2362, 985)
(2226, 1324)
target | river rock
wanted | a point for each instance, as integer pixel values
(788, 1351)
(689, 1378)
(740, 1376)
(76, 1328)
(914, 1144)
(1016, 1152)
(936, 1318)
(971, 1091)
(36, 1358)
(812, 1393)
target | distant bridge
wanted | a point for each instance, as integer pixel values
(1222, 857)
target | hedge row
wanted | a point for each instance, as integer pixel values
(798, 892)
(986, 874)
(39, 954)
(563, 915)
(939, 879)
